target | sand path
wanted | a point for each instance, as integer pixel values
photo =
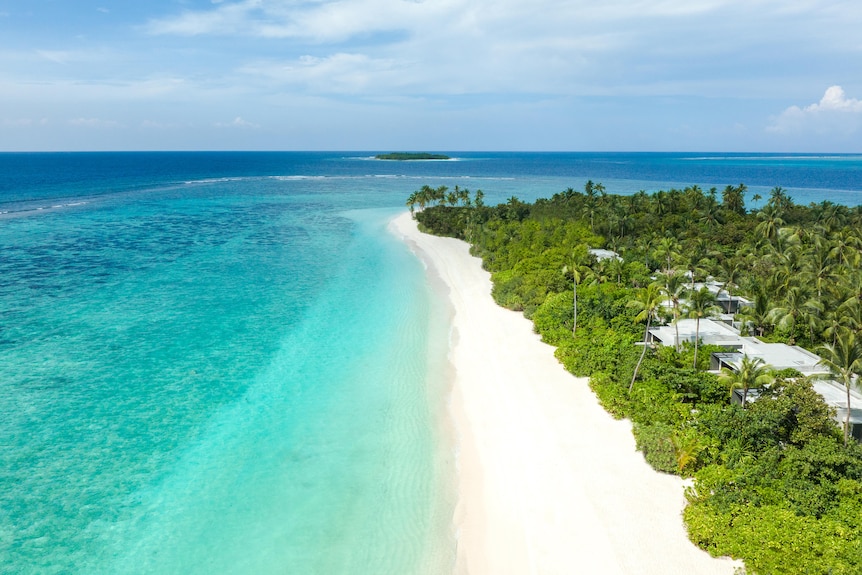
(548, 482)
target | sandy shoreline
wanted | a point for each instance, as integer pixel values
(548, 482)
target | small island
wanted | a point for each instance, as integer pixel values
(401, 156)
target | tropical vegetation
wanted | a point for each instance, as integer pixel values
(776, 482)
(401, 156)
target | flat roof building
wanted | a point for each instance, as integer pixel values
(601, 254)
(774, 355)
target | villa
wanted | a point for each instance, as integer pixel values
(601, 254)
(775, 355)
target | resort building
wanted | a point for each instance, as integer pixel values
(729, 303)
(775, 355)
(600, 254)
(711, 332)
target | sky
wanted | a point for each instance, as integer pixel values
(431, 75)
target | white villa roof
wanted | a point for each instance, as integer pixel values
(781, 356)
(835, 396)
(711, 332)
(720, 292)
(604, 254)
(775, 355)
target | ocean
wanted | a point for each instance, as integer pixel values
(224, 363)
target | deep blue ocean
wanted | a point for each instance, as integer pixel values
(224, 363)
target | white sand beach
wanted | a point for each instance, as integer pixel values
(548, 482)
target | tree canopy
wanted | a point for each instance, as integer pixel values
(775, 482)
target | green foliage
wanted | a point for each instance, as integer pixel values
(773, 483)
(445, 221)
(653, 402)
(553, 319)
(401, 156)
(599, 349)
(656, 443)
(612, 395)
(776, 541)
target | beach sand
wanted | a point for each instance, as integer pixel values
(548, 482)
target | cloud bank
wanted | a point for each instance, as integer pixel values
(835, 113)
(442, 74)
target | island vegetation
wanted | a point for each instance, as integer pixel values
(401, 156)
(776, 481)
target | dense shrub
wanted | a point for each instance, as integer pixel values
(656, 443)
(773, 482)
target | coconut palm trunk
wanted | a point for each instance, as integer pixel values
(648, 301)
(844, 362)
(696, 340)
(641, 358)
(701, 303)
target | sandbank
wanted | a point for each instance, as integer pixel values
(548, 482)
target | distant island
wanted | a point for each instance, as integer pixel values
(411, 156)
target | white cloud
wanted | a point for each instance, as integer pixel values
(714, 65)
(237, 122)
(339, 73)
(553, 47)
(834, 113)
(336, 20)
(835, 100)
(25, 122)
(93, 123)
(56, 56)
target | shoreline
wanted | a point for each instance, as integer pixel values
(547, 481)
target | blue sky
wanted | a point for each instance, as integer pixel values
(653, 75)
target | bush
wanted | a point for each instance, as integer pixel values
(613, 396)
(656, 443)
(652, 402)
(553, 319)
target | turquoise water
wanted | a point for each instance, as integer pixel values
(220, 378)
(223, 363)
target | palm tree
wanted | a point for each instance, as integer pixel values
(696, 256)
(479, 199)
(423, 196)
(787, 268)
(673, 289)
(770, 222)
(844, 362)
(412, 200)
(779, 198)
(648, 301)
(851, 314)
(600, 188)
(844, 248)
(730, 269)
(590, 190)
(758, 314)
(751, 373)
(615, 267)
(639, 200)
(733, 198)
(578, 274)
(660, 203)
(667, 251)
(710, 215)
(796, 307)
(818, 268)
(832, 324)
(701, 304)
